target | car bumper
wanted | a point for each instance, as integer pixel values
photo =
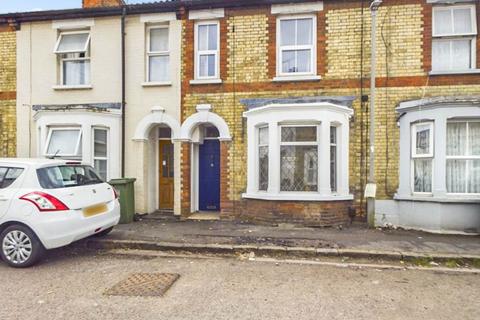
(58, 229)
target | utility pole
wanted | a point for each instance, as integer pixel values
(371, 188)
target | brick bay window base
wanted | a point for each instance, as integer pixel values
(307, 213)
(297, 161)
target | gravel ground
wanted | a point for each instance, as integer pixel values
(71, 282)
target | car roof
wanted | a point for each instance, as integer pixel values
(38, 162)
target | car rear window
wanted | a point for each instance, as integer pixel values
(8, 175)
(65, 176)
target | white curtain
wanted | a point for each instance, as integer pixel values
(422, 175)
(76, 72)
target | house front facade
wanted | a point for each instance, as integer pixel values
(259, 111)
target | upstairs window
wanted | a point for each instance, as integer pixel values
(207, 46)
(73, 52)
(463, 157)
(64, 142)
(454, 38)
(158, 54)
(296, 38)
(422, 157)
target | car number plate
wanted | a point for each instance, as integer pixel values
(94, 210)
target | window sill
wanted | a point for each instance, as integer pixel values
(296, 196)
(157, 84)
(205, 81)
(454, 72)
(445, 199)
(81, 87)
(296, 78)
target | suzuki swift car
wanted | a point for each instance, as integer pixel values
(46, 204)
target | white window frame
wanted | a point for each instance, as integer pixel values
(150, 54)
(258, 146)
(107, 149)
(315, 143)
(312, 47)
(77, 146)
(62, 54)
(464, 157)
(198, 52)
(334, 144)
(414, 156)
(450, 37)
(63, 33)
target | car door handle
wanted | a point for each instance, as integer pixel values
(3, 199)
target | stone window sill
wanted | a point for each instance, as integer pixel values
(446, 199)
(296, 196)
(80, 87)
(157, 84)
(454, 72)
(206, 81)
(296, 78)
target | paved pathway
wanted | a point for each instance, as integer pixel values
(356, 237)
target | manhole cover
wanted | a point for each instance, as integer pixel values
(144, 285)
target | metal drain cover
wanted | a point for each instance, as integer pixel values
(144, 285)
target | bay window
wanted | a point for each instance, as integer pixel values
(463, 157)
(207, 47)
(158, 55)
(453, 38)
(422, 157)
(296, 43)
(439, 149)
(73, 52)
(297, 151)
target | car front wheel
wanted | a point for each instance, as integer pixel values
(20, 247)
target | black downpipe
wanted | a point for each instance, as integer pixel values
(124, 13)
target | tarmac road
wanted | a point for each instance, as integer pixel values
(71, 283)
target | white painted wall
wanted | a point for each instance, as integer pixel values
(37, 76)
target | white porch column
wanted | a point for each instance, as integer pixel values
(87, 152)
(324, 159)
(273, 158)
(252, 183)
(439, 162)
(343, 160)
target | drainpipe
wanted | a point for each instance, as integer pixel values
(370, 190)
(124, 13)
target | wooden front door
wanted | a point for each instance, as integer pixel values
(165, 151)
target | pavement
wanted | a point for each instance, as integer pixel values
(154, 233)
(71, 284)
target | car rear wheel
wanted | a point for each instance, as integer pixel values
(20, 247)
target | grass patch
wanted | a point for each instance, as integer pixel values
(422, 262)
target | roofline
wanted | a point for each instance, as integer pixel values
(167, 6)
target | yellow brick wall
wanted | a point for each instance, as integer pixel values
(399, 38)
(399, 54)
(247, 56)
(8, 61)
(7, 89)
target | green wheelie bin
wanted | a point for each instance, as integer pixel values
(126, 191)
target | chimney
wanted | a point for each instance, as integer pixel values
(101, 3)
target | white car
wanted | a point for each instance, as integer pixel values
(46, 204)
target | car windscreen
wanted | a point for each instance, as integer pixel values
(65, 176)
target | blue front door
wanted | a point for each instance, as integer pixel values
(209, 176)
